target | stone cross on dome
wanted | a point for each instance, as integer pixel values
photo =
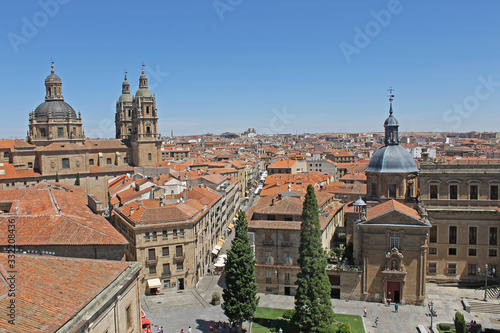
(391, 98)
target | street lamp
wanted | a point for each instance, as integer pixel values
(432, 312)
(486, 275)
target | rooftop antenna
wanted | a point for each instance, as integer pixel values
(391, 98)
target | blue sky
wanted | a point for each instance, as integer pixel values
(278, 66)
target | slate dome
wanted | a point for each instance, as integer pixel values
(392, 159)
(58, 109)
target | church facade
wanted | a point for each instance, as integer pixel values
(56, 148)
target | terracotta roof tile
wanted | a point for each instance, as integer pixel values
(51, 290)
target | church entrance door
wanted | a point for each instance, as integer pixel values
(394, 291)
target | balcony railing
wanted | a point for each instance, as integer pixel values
(461, 203)
(151, 260)
(166, 275)
(268, 243)
(344, 268)
(179, 257)
(286, 244)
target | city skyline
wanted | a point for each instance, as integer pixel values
(225, 66)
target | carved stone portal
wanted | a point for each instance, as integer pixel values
(394, 261)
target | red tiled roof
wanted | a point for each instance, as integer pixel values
(389, 206)
(51, 290)
(53, 214)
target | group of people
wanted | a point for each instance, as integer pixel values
(217, 327)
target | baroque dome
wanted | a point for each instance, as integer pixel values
(392, 159)
(58, 109)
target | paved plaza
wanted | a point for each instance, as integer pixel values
(178, 310)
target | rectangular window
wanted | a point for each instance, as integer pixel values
(128, 312)
(492, 270)
(108, 161)
(492, 252)
(268, 277)
(494, 192)
(473, 192)
(452, 235)
(394, 241)
(30, 165)
(91, 161)
(151, 254)
(149, 156)
(165, 251)
(65, 163)
(493, 236)
(392, 190)
(147, 236)
(286, 258)
(166, 269)
(152, 269)
(452, 268)
(433, 191)
(452, 251)
(180, 266)
(472, 269)
(268, 257)
(287, 278)
(178, 251)
(166, 284)
(453, 192)
(43, 134)
(374, 189)
(433, 251)
(433, 234)
(60, 132)
(432, 268)
(472, 235)
(472, 252)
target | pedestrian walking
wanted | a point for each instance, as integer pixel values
(190, 330)
(211, 328)
(376, 322)
(364, 311)
(389, 302)
(396, 307)
(161, 329)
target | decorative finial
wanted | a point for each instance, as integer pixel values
(51, 66)
(143, 67)
(391, 98)
(125, 75)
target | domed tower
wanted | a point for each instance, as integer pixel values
(392, 172)
(54, 120)
(146, 142)
(123, 116)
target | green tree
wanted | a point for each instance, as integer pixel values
(77, 180)
(240, 300)
(313, 308)
(57, 177)
(460, 323)
(344, 328)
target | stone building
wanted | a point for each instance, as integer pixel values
(175, 237)
(56, 146)
(274, 226)
(57, 295)
(53, 219)
(462, 200)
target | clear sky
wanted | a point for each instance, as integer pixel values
(278, 66)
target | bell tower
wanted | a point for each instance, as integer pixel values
(145, 139)
(124, 108)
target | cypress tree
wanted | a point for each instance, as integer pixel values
(57, 177)
(313, 308)
(77, 181)
(239, 296)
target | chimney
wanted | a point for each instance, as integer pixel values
(279, 196)
(272, 202)
(185, 194)
(131, 211)
(172, 194)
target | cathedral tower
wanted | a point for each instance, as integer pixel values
(54, 120)
(123, 116)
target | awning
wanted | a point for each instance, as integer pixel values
(230, 226)
(216, 250)
(145, 321)
(219, 264)
(154, 283)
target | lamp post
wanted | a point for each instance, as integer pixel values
(432, 312)
(486, 275)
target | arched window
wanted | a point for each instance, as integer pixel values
(164, 234)
(154, 235)
(148, 130)
(174, 232)
(182, 232)
(6, 154)
(147, 109)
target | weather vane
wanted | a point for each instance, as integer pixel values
(391, 95)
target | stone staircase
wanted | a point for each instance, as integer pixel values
(484, 307)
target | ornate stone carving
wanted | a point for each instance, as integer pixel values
(394, 261)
